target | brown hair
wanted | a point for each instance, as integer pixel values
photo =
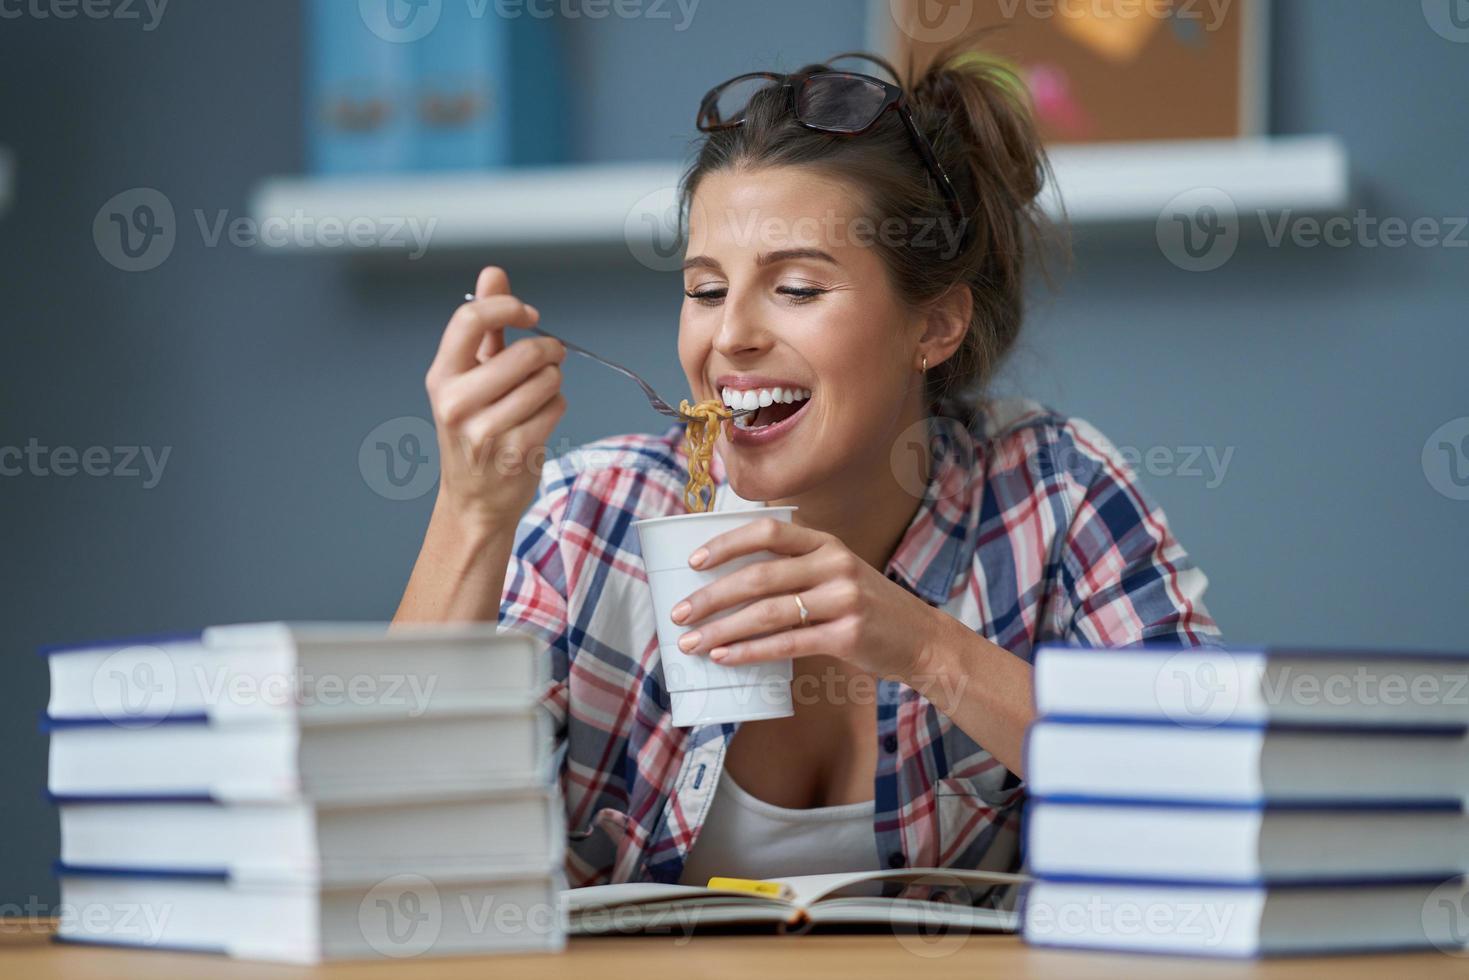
(976, 113)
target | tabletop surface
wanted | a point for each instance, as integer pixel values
(28, 952)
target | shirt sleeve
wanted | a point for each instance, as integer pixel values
(1125, 578)
(534, 600)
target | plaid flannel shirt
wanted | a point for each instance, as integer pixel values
(1032, 530)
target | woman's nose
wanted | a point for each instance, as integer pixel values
(740, 331)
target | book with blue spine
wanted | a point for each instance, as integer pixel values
(488, 90)
(358, 109)
(1209, 685)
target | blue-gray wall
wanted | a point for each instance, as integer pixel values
(1323, 370)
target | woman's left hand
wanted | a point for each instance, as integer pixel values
(855, 613)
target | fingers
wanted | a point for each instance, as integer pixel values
(775, 612)
(751, 582)
(787, 645)
(492, 281)
(469, 393)
(514, 409)
(766, 534)
(478, 328)
(767, 615)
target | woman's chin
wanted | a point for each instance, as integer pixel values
(761, 481)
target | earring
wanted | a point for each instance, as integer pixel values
(924, 369)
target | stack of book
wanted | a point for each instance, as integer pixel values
(1248, 802)
(308, 792)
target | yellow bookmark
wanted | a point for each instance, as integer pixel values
(770, 889)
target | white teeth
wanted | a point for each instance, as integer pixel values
(749, 398)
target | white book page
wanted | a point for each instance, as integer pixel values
(805, 890)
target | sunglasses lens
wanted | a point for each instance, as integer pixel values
(730, 102)
(840, 103)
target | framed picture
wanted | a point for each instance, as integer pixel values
(1108, 70)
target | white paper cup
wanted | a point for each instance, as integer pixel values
(702, 692)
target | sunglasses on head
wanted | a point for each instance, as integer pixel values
(839, 102)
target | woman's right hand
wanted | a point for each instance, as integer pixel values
(494, 406)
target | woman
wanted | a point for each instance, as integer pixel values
(855, 266)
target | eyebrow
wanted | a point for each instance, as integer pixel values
(764, 259)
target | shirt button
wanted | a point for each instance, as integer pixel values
(896, 859)
(890, 743)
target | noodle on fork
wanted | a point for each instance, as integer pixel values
(699, 441)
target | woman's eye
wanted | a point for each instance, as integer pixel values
(708, 296)
(800, 294)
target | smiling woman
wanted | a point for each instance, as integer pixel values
(857, 256)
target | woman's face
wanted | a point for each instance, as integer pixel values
(785, 295)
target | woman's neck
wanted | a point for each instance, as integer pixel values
(870, 521)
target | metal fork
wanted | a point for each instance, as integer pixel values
(659, 405)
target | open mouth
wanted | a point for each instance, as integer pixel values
(773, 405)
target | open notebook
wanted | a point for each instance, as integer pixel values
(925, 897)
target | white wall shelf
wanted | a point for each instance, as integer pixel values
(622, 203)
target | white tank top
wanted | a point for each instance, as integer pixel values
(745, 837)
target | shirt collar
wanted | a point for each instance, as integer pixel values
(940, 541)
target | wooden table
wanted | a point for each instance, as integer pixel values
(28, 953)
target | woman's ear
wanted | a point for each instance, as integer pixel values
(945, 324)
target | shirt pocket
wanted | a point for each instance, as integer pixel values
(978, 823)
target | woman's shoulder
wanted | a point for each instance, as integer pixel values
(1028, 447)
